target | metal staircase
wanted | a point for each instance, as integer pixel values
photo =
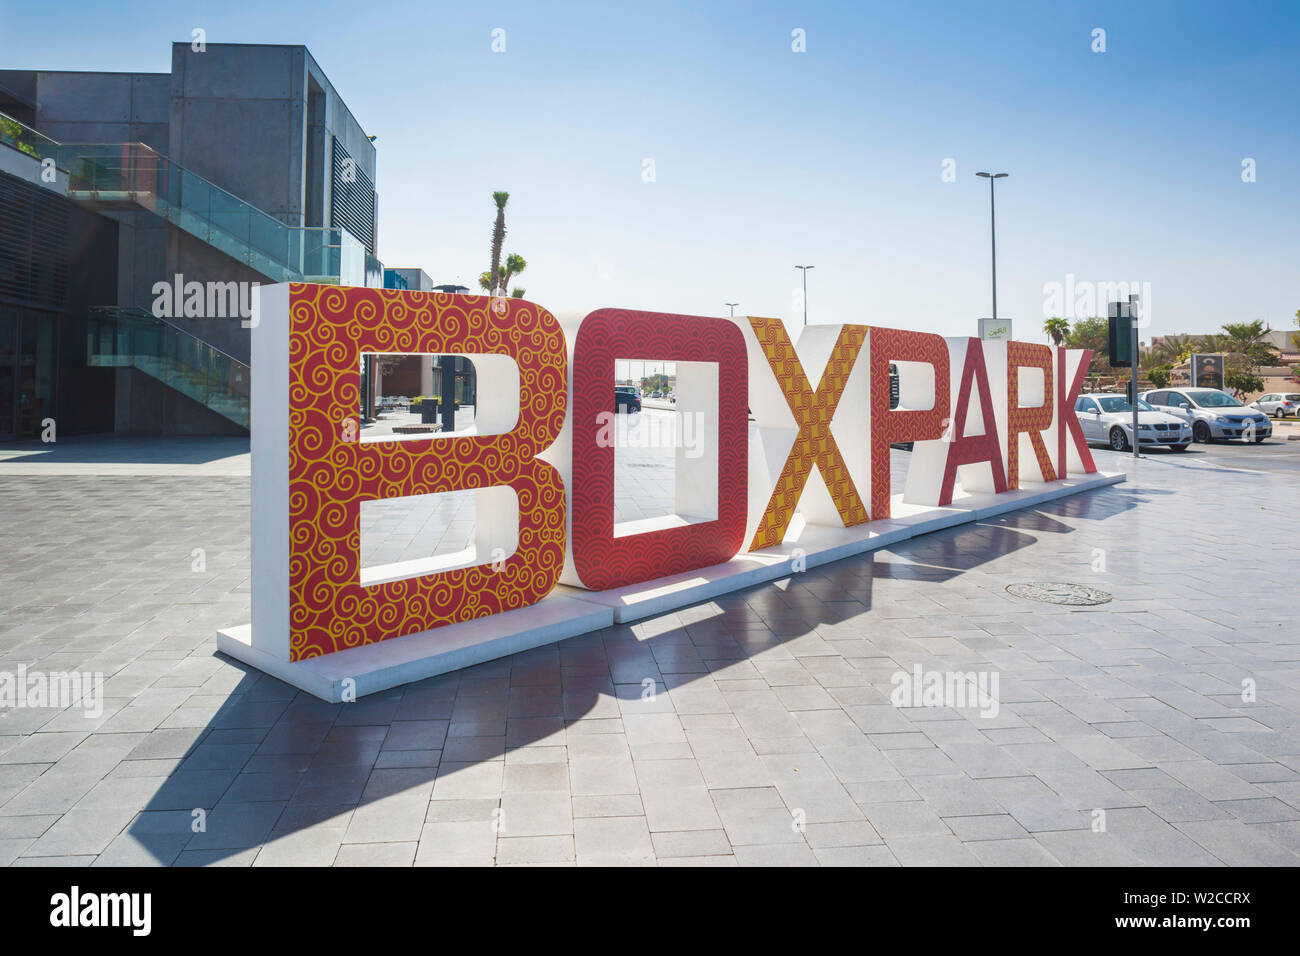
(133, 176)
(132, 338)
(126, 176)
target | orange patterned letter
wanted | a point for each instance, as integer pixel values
(330, 473)
(814, 445)
(1032, 420)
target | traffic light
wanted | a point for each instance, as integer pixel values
(1119, 343)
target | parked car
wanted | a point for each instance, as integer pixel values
(1278, 404)
(626, 399)
(1212, 413)
(1108, 419)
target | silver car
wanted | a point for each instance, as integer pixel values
(1212, 413)
(1108, 419)
(1278, 404)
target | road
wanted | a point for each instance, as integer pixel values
(1276, 455)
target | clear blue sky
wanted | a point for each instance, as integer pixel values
(1125, 165)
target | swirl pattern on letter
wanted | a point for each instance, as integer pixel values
(329, 476)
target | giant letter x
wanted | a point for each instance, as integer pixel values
(814, 443)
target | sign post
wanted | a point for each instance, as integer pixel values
(1133, 386)
(1123, 347)
(992, 330)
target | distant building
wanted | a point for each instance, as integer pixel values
(417, 280)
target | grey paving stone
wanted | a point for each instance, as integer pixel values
(535, 849)
(81, 832)
(769, 700)
(376, 854)
(793, 854)
(616, 805)
(1087, 848)
(1178, 804)
(898, 820)
(1012, 852)
(995, 826)
(317, 846)
(856, 856)
(1239, 844)
(536, 813)
(236, 826)
(691, 843)
(846, 834)
(935, 850)
(397, 818)
(613, 841)
(680, 808)
(462, 843)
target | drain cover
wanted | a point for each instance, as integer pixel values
(1055, 593)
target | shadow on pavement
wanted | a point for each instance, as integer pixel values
(273, 762)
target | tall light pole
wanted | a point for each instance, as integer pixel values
(993, 235)
(733, 307)
(805, 292)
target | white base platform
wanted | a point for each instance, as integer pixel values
(822, 545)
(568, 612)
(401, 660)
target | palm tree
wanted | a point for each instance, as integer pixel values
(498, 237)
(1212, 343)
(517, 293)
(515, 264)
(1057, 329)
(1174, 349)
(1250, 341)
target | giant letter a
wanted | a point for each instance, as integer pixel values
(970, 449)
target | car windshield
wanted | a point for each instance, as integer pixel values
(1213, 399)
(1292, 398)
(1117, 403)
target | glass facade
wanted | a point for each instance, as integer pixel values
(28, 360)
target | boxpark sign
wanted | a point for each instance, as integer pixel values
(791, 469)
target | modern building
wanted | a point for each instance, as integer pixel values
(417, 280)
(137, 213)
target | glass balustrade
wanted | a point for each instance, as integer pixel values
(136, 174)
(135, 338)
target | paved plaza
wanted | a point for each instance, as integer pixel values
(1160, 728)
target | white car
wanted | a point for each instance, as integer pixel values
(1212, 413)
(1108, 419)
(1278, 404)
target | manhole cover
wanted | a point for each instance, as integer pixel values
(1075, 594)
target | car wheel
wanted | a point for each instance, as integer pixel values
(1201, 433)
(1178, 448)
(1118, 440)
(1259, 438)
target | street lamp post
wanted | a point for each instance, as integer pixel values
(733, 307)
(993, 235)
(805, 292)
